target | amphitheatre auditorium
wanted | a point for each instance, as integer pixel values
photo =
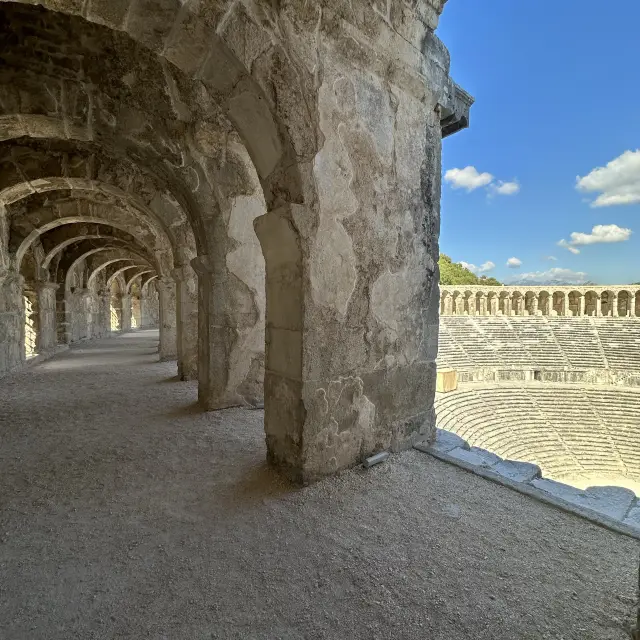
(549, 376)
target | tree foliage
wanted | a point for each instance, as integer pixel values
(453, 273)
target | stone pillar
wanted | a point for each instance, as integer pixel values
(507, 305)
(187, 321)
(632, 304)
(598, 305)
(581, 304)
(472, 305)
(11, 321)
(534, 305)
(230, 340)
(565, 304)
(167, 347)
(125, 323)
(149, 311)
(613, 303)
(47, 331)
(482, 303)
(104, 314)
(446, 304)
(495, 305)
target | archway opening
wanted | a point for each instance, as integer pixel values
(30, 305)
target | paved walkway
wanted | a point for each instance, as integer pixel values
(125, 512)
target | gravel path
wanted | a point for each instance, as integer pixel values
(127, 513)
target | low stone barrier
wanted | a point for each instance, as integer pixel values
(615, 508)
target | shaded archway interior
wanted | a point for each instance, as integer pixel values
(276, 215)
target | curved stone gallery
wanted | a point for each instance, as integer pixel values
(262, 180)
(620, 300)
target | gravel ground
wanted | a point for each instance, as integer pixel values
(127, 513)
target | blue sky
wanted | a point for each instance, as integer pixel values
(557, 90)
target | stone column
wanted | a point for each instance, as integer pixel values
(534, 305)
(507, 305)
(167, 347)
(125, 323)
(472, 305)
(104, 314)
(632, 304)
(565, 303)
(581, 304)
(11, 321)
(446, 303)
(495, 305)
(482, 302)
(598, 306)
(613, 303)
(47, 330)
(187, 321)
(231, 339)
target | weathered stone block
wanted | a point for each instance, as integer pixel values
(517, 471)
(447, 380)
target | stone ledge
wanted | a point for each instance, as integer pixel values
(613, 508)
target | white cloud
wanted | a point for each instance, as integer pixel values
(471, 179)
(506, 188)
(554, 276)
(564, 244)
(483, 268)
(618, 182)
(600, 233)
(514, 263)
(468, 178)
(552, 258)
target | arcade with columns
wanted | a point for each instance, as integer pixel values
(614, 301)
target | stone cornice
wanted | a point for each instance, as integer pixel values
(454, 109)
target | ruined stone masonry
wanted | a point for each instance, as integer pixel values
(259, 180)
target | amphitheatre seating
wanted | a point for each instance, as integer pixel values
(451, 352)
(536, 336)
(620, 411)
(465, 333)
(508, 345)
(570, 432)
(539, 342)
(578, 338)
(620, 338)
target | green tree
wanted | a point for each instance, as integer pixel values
(453, 273)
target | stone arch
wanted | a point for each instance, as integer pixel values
(575, 300)
(62, 239)
(624, 303)
(316, 131)
(591, 302)
(545, 302)
(129, 283)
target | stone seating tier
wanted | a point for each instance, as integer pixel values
(539, 342)
(569, 432)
